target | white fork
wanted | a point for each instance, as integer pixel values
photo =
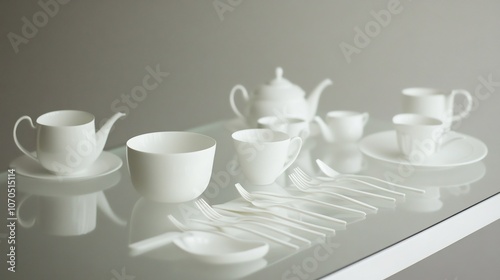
(255, 210)
(208, 210)
(268, 204)
(270, 195)
(306, 189)
(330, 172)
(328, 181)
(316, 182)
(219, 218)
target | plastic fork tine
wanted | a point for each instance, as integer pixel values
(213, 215)
(246, 195)
(306, 187)
(303, 188)
(216, 214)
(313, 183)
(302, 174)
(329, 182)
(205, 213)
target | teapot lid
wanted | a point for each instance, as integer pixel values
(279, 86)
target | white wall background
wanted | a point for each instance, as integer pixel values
(90, 53)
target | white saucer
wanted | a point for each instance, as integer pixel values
(465, 150)
(105, 164)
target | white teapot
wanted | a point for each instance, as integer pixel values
(279, 97)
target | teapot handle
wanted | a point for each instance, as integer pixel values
(231, 99)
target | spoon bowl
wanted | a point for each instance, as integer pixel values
(209, 247)
(215, 248)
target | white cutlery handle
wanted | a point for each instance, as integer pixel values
(359, 192)
(285, 218)
(291, 235)
(318, 202)
(277, 240)
(312, 214)
(146, 245)
(355, 201)
(291, 224)
(386, 182)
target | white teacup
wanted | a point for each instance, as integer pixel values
(343, 126)
(419, 137)
(170, 166)
(264, 154)
(66, 140)
(435, 103)
(293, 126)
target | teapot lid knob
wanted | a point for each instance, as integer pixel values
(279, 87)
(279, 73)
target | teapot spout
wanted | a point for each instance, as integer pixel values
(313, 99)
(103, 204)
(325, 130)
(102, 134)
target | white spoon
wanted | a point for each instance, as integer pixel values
(330, 172)
(209, 247)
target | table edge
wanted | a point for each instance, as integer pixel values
(395, 258)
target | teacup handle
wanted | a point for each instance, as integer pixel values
(24, 223)
(467, 109)
(231, 99)
(295, 141)
(26, 152)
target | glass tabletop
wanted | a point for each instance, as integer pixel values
(81, 228)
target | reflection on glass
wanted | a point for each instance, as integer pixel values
(345, 158)
(65, 208)
(150, 219)
(456, 181)
(424, 203)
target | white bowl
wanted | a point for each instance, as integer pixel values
(171, 166)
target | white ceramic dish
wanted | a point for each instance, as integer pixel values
(465, 150)
(105, 164)
(170, 166)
